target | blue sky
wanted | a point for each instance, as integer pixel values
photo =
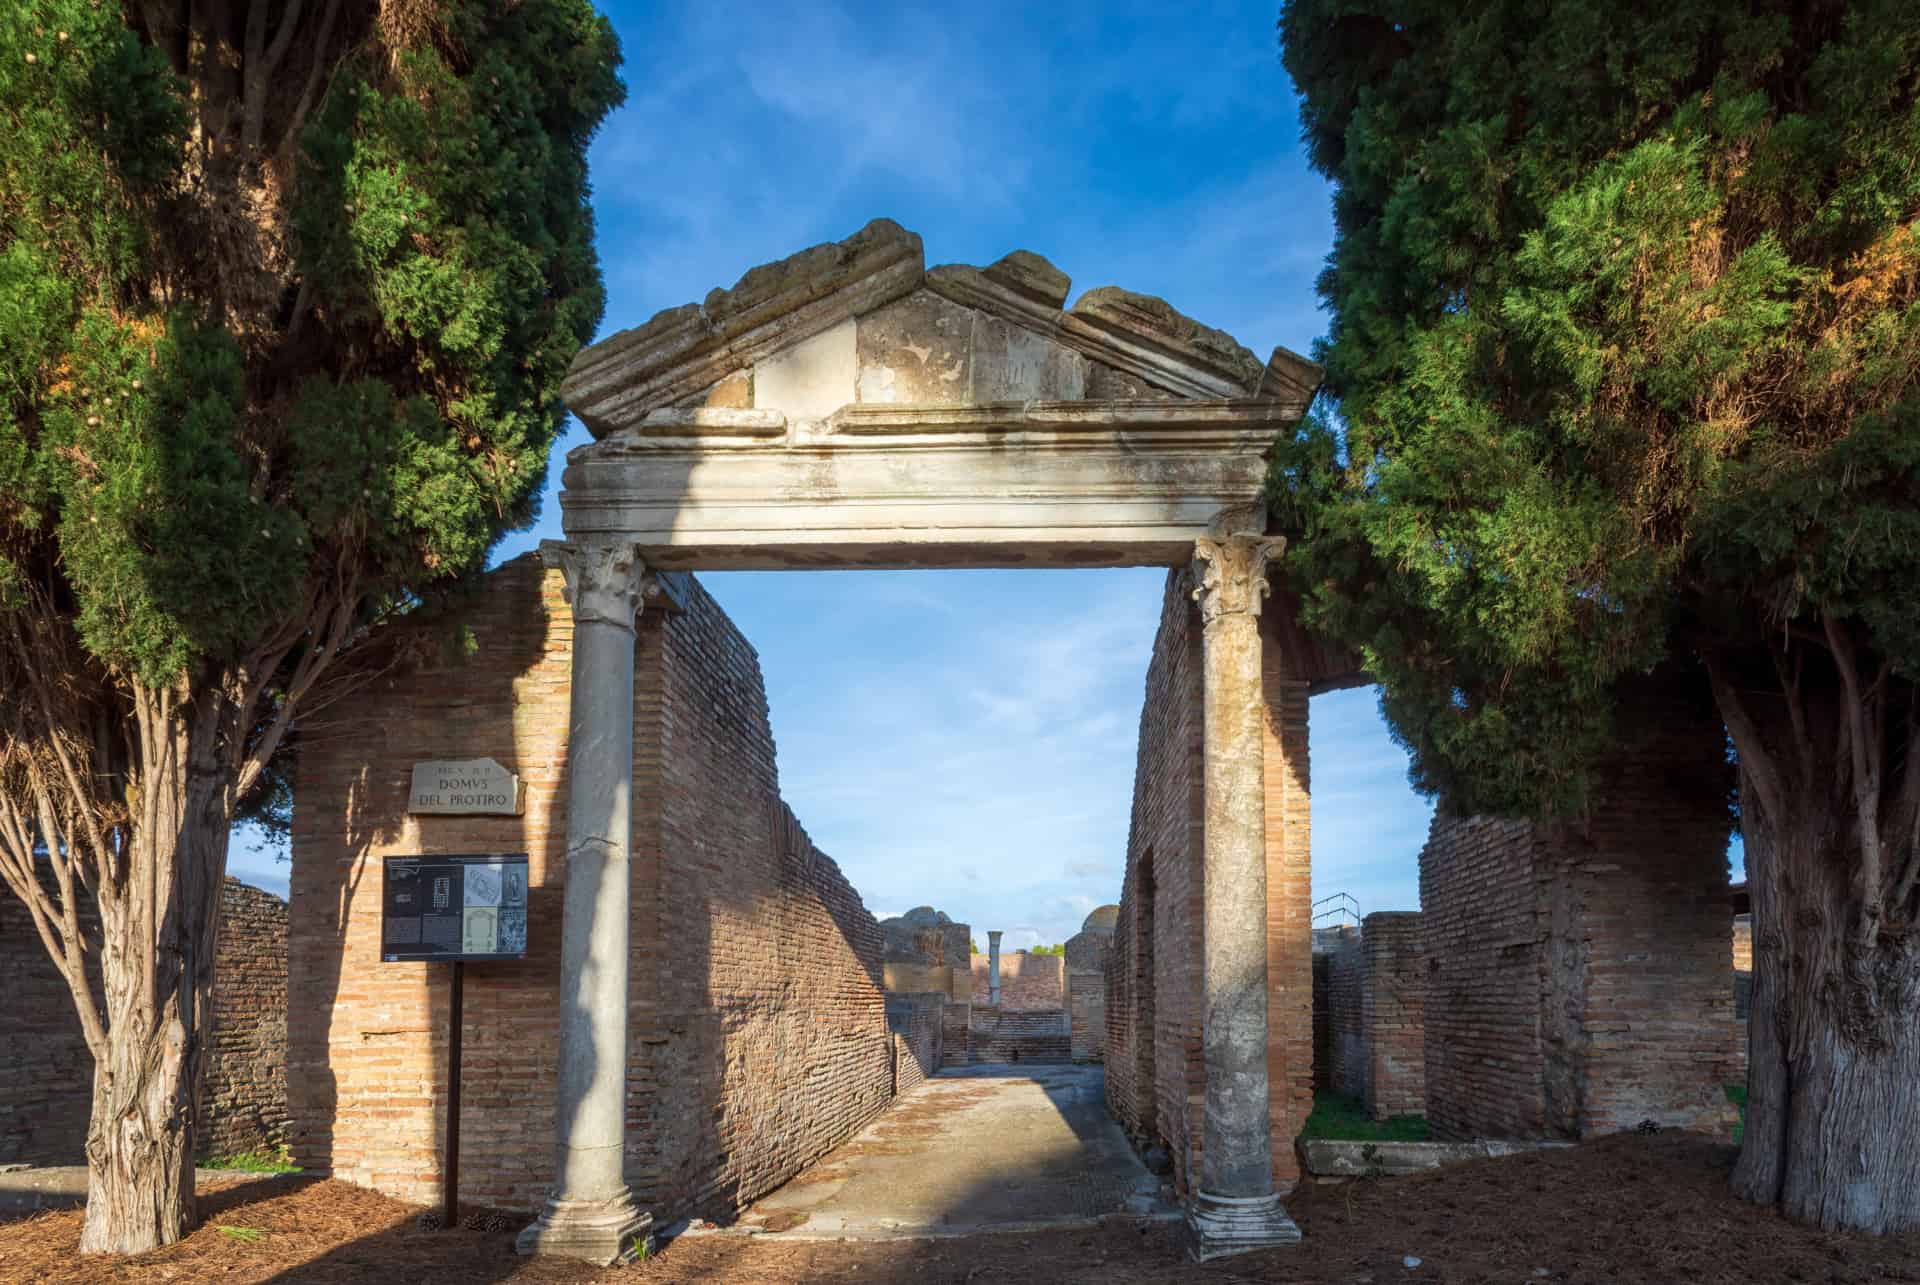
(966, 739)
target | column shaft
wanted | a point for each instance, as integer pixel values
(590, 1213)
(1234, 1208)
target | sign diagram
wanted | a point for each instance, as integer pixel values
(453, 907)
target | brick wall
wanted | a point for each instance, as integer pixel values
(1156, 1077)
(1393, 1014)
(243, 1097)
(915, 1022)
(1580, 980)
(758, 1027)
(1026, 981)
(1346, 1023)
(1742, 994)
(1086, 962)
(46, 1072)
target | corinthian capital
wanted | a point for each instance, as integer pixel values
(605, 582)
(1230, 573)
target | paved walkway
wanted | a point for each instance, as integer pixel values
(985, 1148)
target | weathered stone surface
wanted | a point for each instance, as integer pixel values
(1027, 273)
(682, 350)
(916, 349)
(735, 392)
(1146, 327)
(1340, 1158)
(813, 378)
(1013, 363)
(1106, 384)
(472, 787)
(969, 335)
(1053, 483)
(1103, 920)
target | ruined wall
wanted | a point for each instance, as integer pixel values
(1086, 964)
(758, 1029)
(1156, 1077)
(1026, 981)
(915, 1023)
(46, 1071)
(243, 1097)
(1580, 982)
(1393, 1014)
(1346, 1023)
(1742, 995)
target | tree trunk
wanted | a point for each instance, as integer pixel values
(141, 1139)
(1833, 1079)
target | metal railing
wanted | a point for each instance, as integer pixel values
(1336, 911)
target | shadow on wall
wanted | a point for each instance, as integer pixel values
(367, 1051)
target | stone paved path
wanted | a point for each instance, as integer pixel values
(985, 1148)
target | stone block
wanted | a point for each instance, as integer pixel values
(918, 350)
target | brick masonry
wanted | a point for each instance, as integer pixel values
(1155, 1072)
(1086, 962)
(1580, 980)
(243, 1097)
(46, 1072)
(759, 1037)
(1346, 1028)
(1393, 1001)
(1026, 981)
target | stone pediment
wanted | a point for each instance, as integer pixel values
(848, 407)
(864, 322)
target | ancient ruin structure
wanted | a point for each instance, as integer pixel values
(1376, 1015)
(849, 407)
(1580, 976)
(1086, 978)
(46, 1071)
(705, 1006)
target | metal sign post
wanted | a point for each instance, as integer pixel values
(454, 908)
(452, 1185)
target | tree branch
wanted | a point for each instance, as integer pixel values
(1866, 761)
(1754, 757)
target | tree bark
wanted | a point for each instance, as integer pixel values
(1833, 1080)
(157, 972)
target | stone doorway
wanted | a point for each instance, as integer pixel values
(849, 407)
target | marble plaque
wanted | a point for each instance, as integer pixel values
(464, 787)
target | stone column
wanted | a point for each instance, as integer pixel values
(589, 1213)
(1233, 1207)
(993, 968)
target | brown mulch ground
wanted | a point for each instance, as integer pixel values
(1624, 1209)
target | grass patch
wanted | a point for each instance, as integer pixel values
(280, 1161)
(1336, 1116)
(1737, 1094)
(246, 1235)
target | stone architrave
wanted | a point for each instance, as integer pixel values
(590, 1213)
(1234, 1207)
(464, 787)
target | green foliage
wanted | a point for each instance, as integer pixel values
(245, 1235)
(1058, 948)
(1624, 359)
(279, 1160)
(1341, 1118)
(358, 384)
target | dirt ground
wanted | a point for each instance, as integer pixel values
(1623, 1209)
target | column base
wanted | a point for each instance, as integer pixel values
(1220, 1226)
(602, 1232)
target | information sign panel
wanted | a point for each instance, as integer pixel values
(469, 905)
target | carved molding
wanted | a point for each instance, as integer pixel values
(1230, 573)
(607, 582)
